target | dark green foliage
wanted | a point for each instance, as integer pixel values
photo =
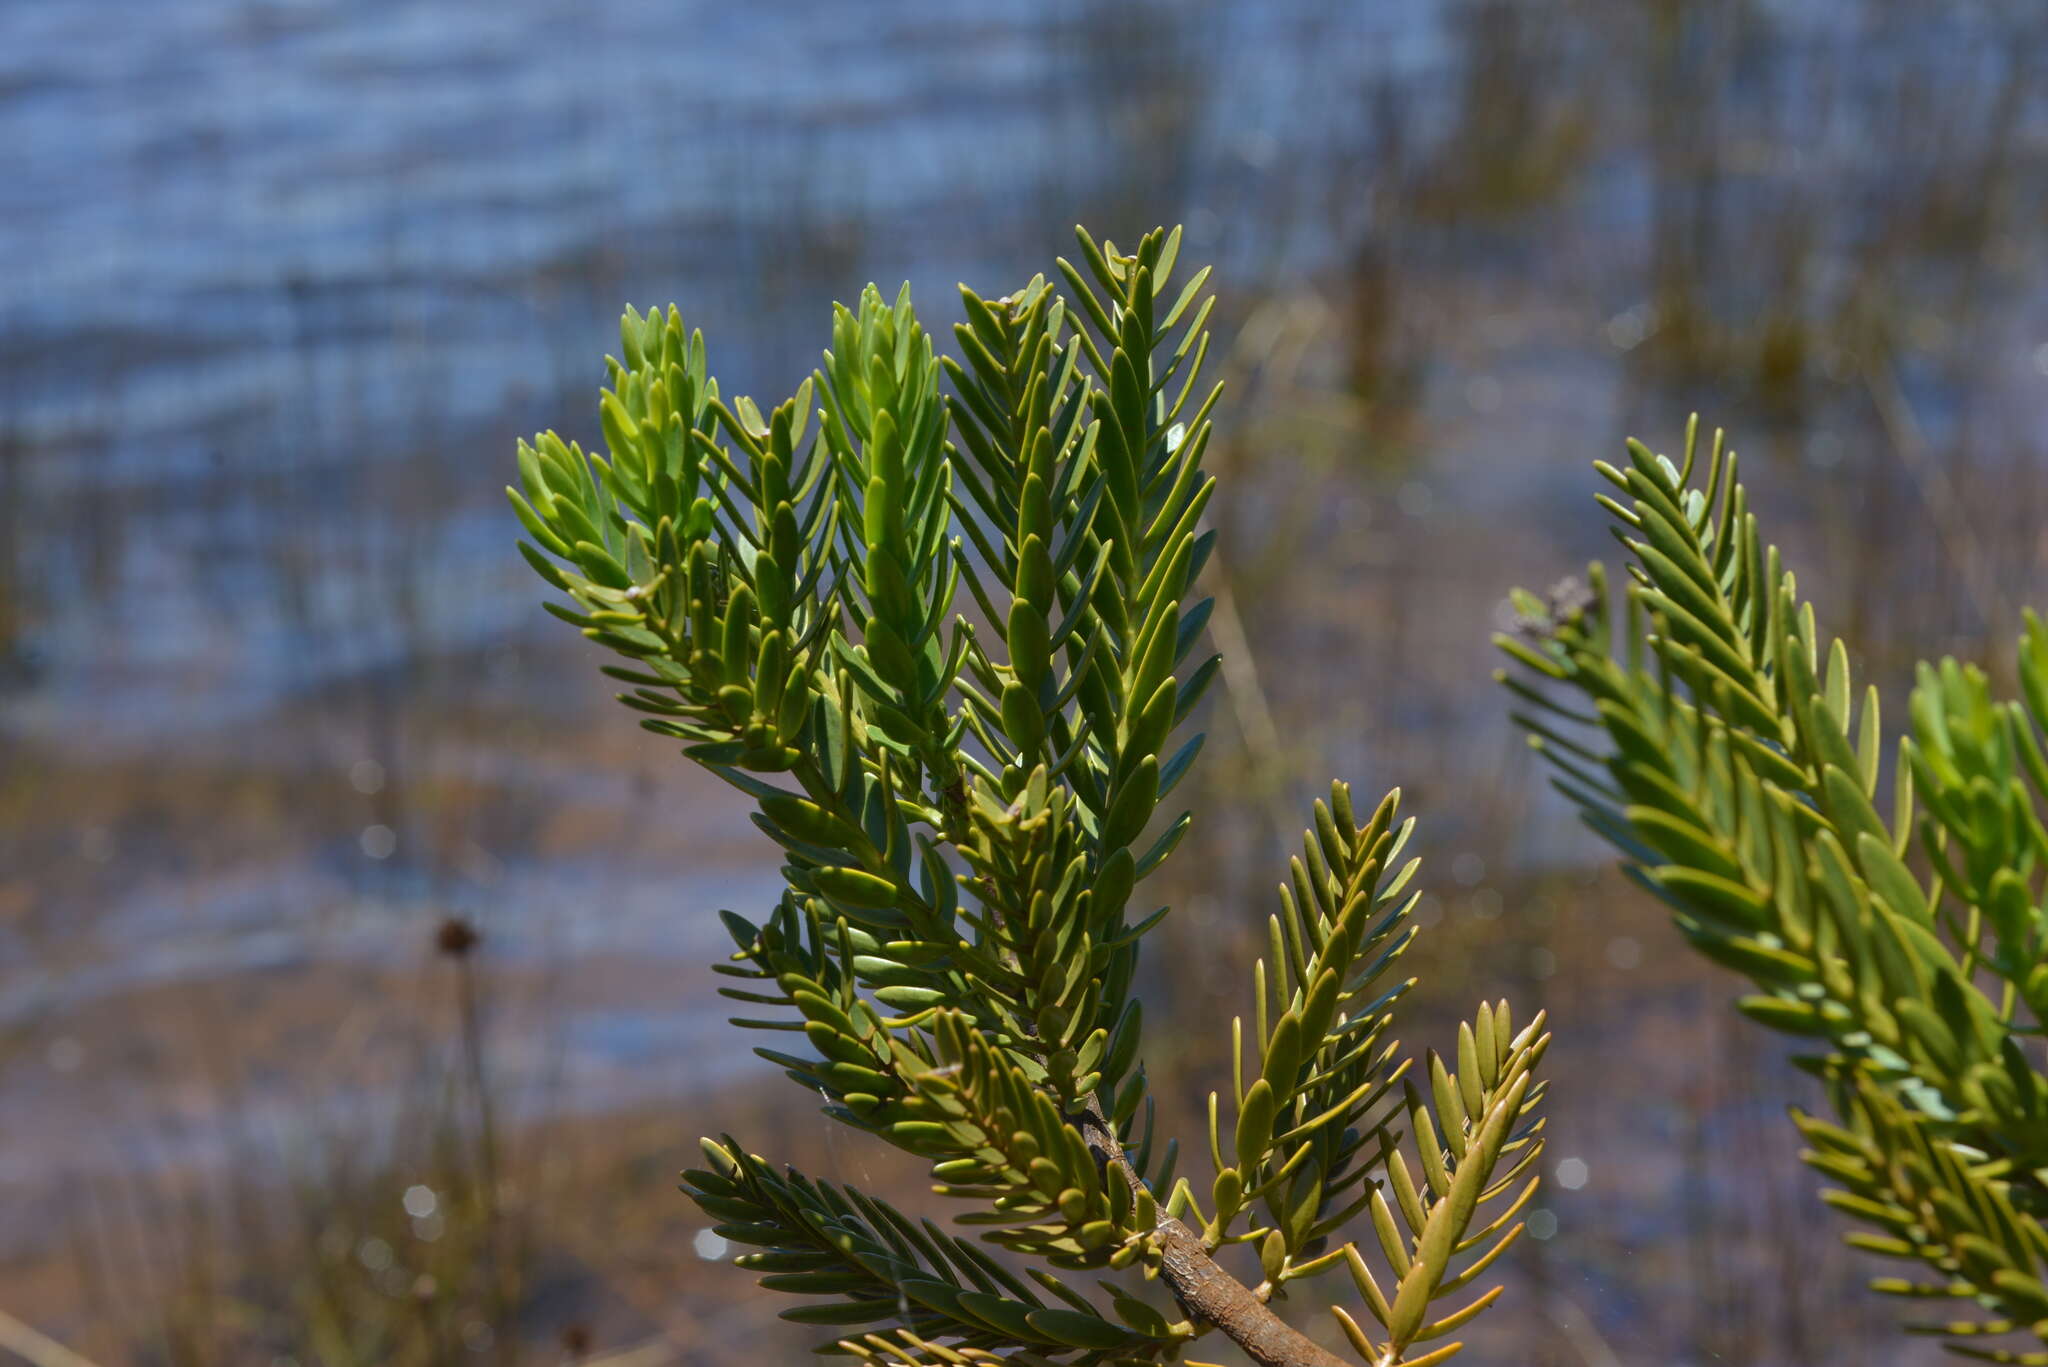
(945, 642)
(1729, 757)
(879, 1266)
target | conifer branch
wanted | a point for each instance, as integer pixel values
(966, 808)
(1721, 746)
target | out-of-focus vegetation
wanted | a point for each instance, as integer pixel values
(1715, 736)
(286, 278)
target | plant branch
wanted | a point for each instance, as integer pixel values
(1205, 1291)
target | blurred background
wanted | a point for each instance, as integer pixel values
(354, 992)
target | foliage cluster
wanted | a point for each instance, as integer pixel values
(1714, 735)
(937, 618)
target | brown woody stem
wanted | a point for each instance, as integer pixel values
(1208, 1293)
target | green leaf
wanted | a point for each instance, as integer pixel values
(1255, 1125)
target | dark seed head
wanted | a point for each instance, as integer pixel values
(456, 937)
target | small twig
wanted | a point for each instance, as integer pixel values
(1944, 506)
(457, 940)
(1208, 1293)
(1578, 1328)
(35, 1347)
(656, 1352)
(1240, 676)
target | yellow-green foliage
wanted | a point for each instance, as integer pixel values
(1717, 740)
(938, 618)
